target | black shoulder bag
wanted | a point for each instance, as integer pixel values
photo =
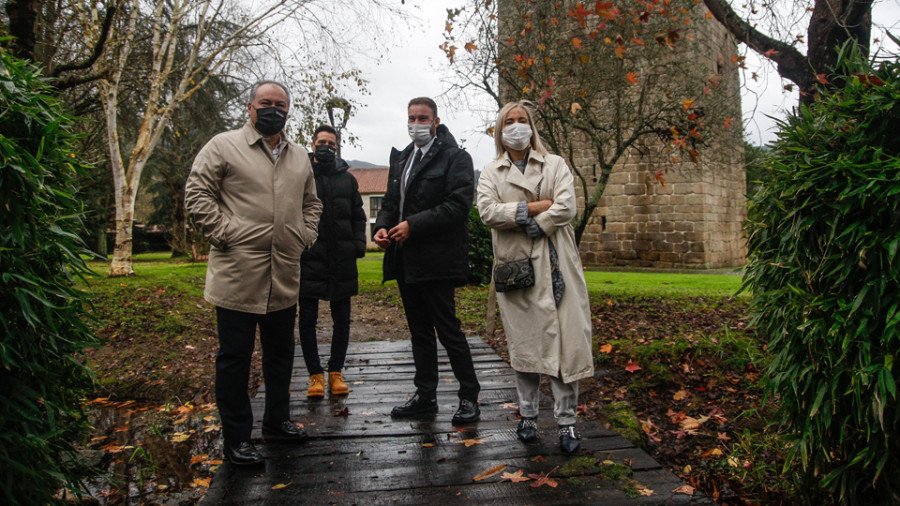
(516, 274)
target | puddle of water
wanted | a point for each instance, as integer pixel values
(150, 453)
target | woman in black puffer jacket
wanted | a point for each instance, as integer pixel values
(328, 268)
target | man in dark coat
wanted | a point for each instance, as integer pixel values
(423, 225)
(328, 269)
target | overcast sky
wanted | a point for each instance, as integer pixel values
(381, 122)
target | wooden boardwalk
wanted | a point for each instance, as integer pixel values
(357, 454)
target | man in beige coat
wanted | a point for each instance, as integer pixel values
(253, 193)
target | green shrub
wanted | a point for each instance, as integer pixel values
(481, 254)
(41, 314)
(823, 234)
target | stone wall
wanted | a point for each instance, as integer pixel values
(694, 219)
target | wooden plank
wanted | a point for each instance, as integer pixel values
(366, 457)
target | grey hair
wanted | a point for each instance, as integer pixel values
(257, 84)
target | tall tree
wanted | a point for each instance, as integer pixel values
(829, 25)
(619, 80)
(216, 31)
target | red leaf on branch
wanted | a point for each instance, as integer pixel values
(580, 12)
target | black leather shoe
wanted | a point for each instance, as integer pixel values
(527, 429)
(286, 431)
(244, 454)
(568, 438)
(417, 406)
(468, 412)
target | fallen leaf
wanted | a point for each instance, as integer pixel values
(487, 473)
(471, 442)
(723, 437)
(427, 445)
(631, 367)
(606, 348)
(509, 405)
(642, 490)
(516, 477)
(179, 437)
(539, 458)
(712, 452)
(281, 485)
(200, 482)
(216, 462)
(199, 458)
(690, 423)
(679, 395)
(575, 107)
(342, 412)
(544, 479)
(687, 104)
(684, 489)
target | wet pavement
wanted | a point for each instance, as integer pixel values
(358, 454)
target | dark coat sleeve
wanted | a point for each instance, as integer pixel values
(389, 215)
(358, 220)
(458, 197)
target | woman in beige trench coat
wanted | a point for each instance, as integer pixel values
(527, 197)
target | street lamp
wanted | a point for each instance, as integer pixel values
(343, 108)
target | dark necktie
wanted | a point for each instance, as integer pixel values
(404, 181)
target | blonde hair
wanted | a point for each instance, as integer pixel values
(526, 106)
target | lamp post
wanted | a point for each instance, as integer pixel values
(342, 106)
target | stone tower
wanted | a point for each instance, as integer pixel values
(694, 218)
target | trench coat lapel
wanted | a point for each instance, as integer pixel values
(533, 172)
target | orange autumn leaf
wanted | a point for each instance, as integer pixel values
(638, 41)
(201, 482)
(487, 473)
(620, 52)
(679, 395)
(575, 107)
(576, 42)
(199, 458)
(687, 104)
(728, 122)
(822, 79)
(539, 458)
(580, 12)
(470, 46)
(708, 14)
(632, 367)
(281, 486)
(631, 78)
(606, 348)
(516, 477)
(471, 442)
(684, 489)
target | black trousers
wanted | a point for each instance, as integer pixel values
(237, 333)
(340, 336)
(430, 307)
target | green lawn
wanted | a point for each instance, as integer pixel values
(628, 284)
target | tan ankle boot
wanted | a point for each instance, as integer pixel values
(336, 384)
(316, 385)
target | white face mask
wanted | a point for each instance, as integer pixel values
(516, 136)
(419, 133)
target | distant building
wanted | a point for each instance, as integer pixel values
(372, 186)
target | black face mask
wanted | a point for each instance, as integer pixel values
(325, 155)
(270, 120)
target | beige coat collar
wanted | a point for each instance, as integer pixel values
(532, 176)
